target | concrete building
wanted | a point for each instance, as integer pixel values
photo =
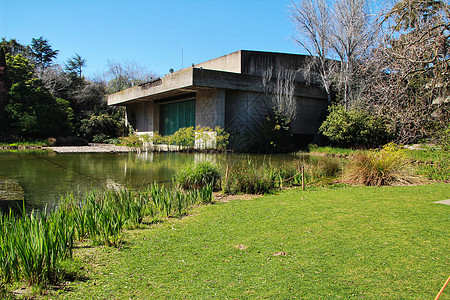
(228, 92)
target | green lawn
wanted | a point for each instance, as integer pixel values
(362, 242)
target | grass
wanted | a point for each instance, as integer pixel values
(386, 166)
(256, 177)
(432, 163)
(314, 149)
(23, 144)
(33, 246)
(324, 243)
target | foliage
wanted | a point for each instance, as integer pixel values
(277, 133)
(203, 138)
(222, 138)
(432, 162)
(354, 127)
(406, 76)
(13, 47)
(250, 177)
(314, 149)
(256, 247)
(336, 34)
(444, 140)
(387, 166)
(198, 175)
(32, 246)
(122, 75)
(42, 52)
(182, 137)
(75, 65)
(82, 97)
(99, 128)
(32, 111)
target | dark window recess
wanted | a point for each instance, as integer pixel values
(174, 116)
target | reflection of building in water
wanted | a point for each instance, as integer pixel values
(199, 157)
(147, 156)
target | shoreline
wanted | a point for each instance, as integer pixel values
(91, 148)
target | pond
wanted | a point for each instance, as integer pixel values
(46, 176)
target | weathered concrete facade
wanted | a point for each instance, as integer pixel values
(228, 92)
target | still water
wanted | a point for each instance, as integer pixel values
(46, 176)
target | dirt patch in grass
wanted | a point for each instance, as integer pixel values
(225, 198)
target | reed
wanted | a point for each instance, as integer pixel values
(248, 176)
(33, 245)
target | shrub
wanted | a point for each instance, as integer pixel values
(198, 175)
(183, 137)
(387, 166)
(354, 128)
(101, 127)
(277, 133)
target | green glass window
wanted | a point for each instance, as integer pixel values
(174, 116)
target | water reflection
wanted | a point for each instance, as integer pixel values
(46, 176)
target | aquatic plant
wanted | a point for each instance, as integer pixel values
(198, 175)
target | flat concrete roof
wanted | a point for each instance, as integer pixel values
(240, 70)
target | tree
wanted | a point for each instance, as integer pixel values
(32, 111)
(313, 23)
(354, 127)
(122, 75)
(75, 65)
(407, 74)
(340, 29)
(42, 53)
(13, 47)
(281, 110)
(4, 88)
(352, 36)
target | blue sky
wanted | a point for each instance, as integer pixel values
(153, 33)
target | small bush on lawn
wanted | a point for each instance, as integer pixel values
(198, 175)
(388, 166)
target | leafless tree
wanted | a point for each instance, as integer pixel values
(122, 75)
(281, 91)
(341, 29)
(353, 34)
(313, 24)
(54, 79)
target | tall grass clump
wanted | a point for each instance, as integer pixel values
(248, 176)
(32, 245)
(387, 166)
(198, 175)
(165, 202)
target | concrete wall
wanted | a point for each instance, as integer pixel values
(244, 115)
(228, 63)
(256, 63)
(310, 113)
(210, 108)
(245, 112)
(142, 117)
